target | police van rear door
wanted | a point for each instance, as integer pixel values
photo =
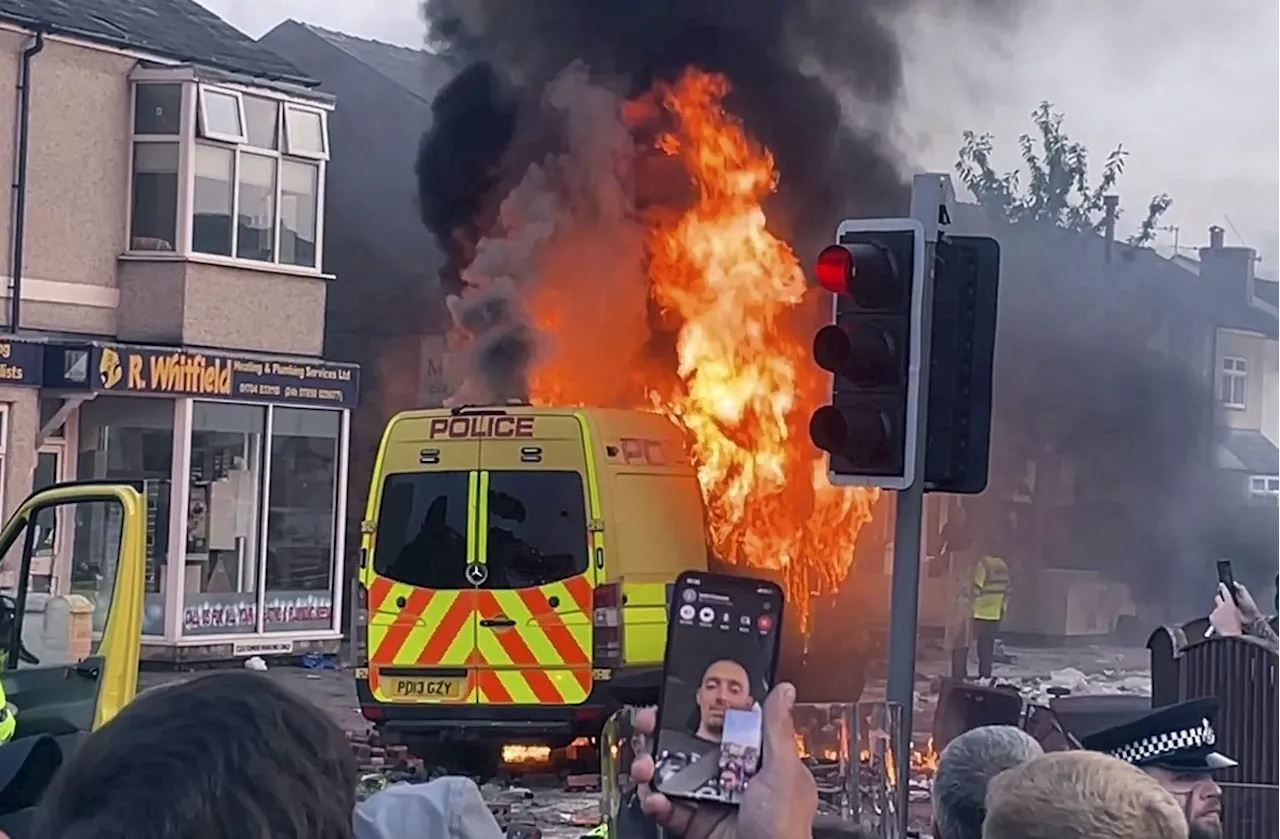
(533, 638)
(422, 623)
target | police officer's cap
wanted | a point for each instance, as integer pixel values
(1179, 738)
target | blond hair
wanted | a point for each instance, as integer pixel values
(1080, 795)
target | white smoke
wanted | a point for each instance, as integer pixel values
(567, 245)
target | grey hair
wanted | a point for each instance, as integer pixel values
(965, 767)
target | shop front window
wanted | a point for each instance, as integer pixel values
(301, 512)
(220, 568)
(129, 439)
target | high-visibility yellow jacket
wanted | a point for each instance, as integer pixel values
(8, 717)
(990, 589)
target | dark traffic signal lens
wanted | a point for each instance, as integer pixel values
(876, 282)
(867, 354)
(861, 433)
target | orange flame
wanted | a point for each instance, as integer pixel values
(925, 761)
(746, 386)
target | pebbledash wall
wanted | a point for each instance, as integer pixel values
(243, 458)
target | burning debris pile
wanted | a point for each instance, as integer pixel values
(827, 752)
(618, 190)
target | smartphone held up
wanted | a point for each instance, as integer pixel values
(721, 657)
(1228, 578)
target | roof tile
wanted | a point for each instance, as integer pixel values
(180, 29)
(420, 72)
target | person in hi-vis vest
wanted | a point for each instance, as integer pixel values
(991, 589)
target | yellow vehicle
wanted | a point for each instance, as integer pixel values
(56, 680)
(516, 564)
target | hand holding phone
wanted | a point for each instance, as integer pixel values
(721, 656)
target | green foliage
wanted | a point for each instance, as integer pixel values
(1056, 188)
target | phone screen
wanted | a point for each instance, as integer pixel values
(722, 652)
(1227, 578)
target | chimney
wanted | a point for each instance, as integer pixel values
(1109, 204)
(1229, 269)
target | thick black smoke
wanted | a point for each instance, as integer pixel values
(782, 57)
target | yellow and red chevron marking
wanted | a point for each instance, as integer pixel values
(544, 658)
(432, 628)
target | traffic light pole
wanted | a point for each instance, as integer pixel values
(931, 201)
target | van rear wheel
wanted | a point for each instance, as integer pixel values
(455, 757)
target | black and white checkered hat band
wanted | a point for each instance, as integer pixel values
(1167, 743)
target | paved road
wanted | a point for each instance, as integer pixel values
(333, 690)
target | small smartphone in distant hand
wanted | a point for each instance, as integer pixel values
(722, 653)
(1228, 579)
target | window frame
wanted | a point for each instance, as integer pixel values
(285, 140)
(1264, 486)
(1233, 372)
(202, 108)
(192, 134)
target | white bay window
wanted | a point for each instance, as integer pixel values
(227, 172)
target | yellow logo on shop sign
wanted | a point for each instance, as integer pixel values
(109, 368)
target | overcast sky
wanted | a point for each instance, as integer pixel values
(1191, 88)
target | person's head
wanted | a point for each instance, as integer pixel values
(725, 684)
(444, 808)
(1080, 795)
(1177, 746)
(1197, 793)
(228, 754)
(965, 767)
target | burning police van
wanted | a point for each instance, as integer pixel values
(516, 563)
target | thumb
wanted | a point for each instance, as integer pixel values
(779, 722)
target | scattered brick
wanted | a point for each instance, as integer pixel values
(501, 812)
(582, 783)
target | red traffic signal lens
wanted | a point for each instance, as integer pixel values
(865, 271)
(834, 270)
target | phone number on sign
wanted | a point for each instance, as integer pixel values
(318, 394)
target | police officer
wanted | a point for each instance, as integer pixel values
(1175, 745)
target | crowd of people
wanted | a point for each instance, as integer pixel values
(234, 755)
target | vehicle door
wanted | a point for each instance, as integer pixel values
(533, 639)
(421, 631)
(71, 662)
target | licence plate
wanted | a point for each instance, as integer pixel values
(431, 687)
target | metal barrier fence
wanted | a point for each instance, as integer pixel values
(1241, 673)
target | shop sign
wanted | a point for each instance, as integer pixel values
(283, 611)
(165, 371)
(21, 362)
(248, 648)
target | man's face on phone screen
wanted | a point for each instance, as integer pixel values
(724, 685)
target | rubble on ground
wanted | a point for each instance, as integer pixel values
(1041, 689)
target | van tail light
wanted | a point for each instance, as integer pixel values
(606, 625)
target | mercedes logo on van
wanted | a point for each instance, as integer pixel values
(476, 574)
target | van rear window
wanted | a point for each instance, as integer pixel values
(422, 530)
(537, 528)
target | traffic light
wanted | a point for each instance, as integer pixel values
(966, 275)
(872, 348)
